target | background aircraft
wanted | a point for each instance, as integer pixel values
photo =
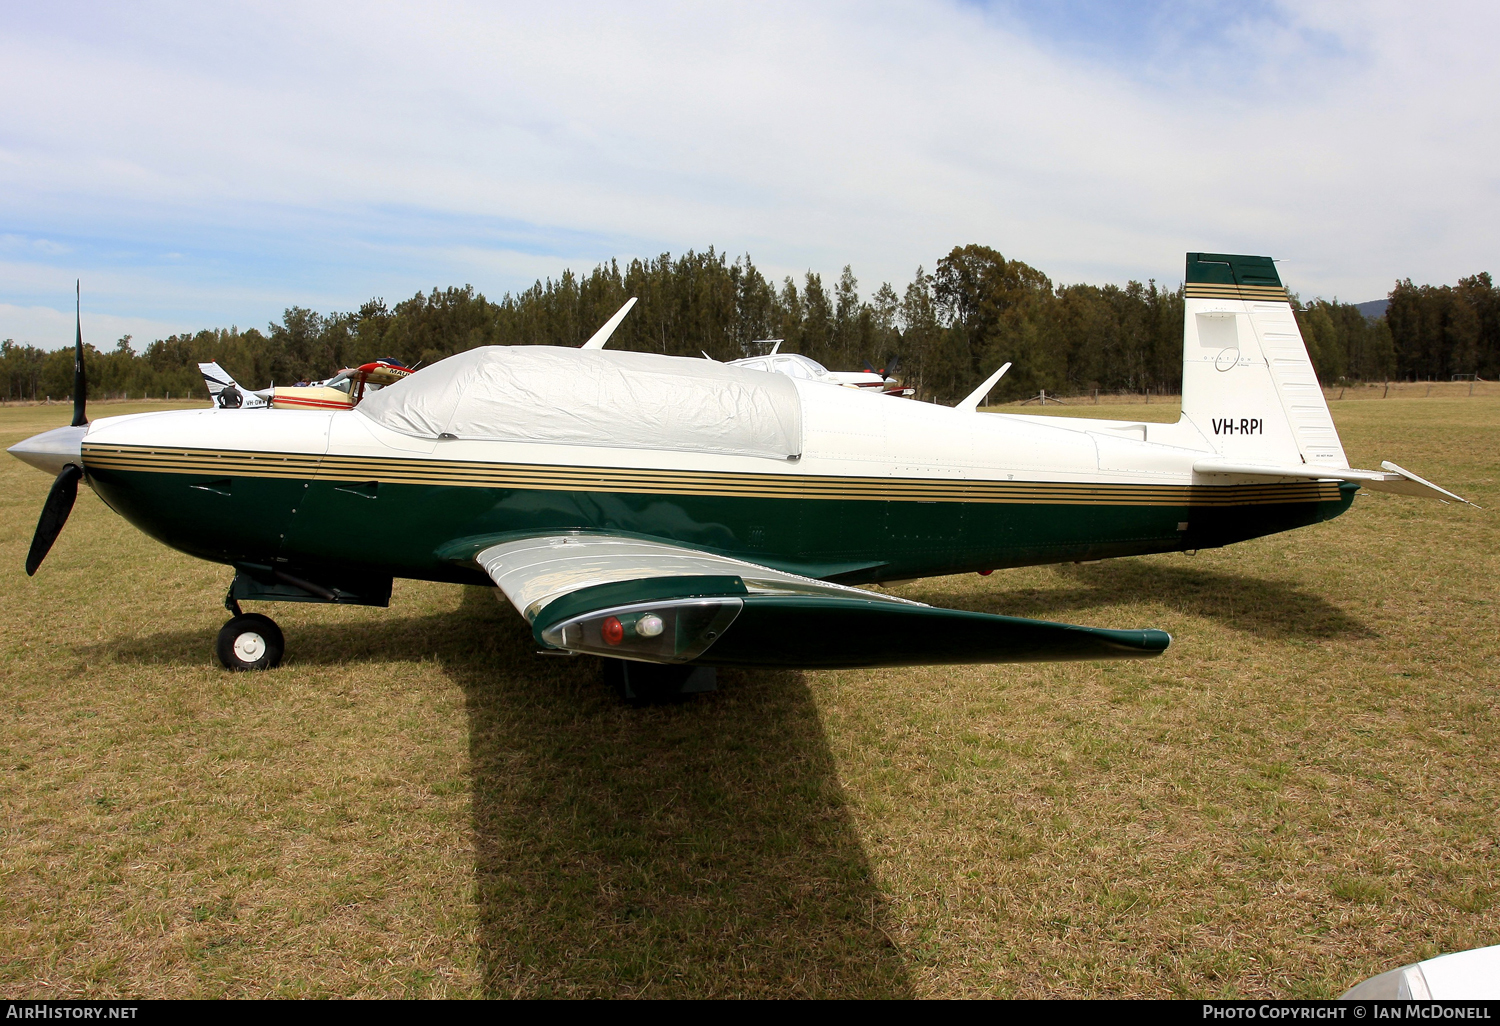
(670, 514)
(798, 366)
(343, 391)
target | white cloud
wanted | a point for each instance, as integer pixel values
(100, 330)
(322, 154)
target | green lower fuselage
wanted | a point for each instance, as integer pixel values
(330, 530)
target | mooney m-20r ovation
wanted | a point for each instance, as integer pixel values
(670, 513)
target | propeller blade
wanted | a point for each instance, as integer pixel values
(54, 514)
(80, 393)
(890, 368)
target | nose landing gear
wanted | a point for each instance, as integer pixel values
(250, 642)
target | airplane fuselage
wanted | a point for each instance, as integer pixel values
(682, 514)
(884, 489)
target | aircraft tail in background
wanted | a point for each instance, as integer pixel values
(224, 391)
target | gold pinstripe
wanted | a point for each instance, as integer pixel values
(1265, 293)
(462, 473)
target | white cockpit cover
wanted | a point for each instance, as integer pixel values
(595, 397)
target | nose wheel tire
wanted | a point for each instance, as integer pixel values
(250, 642)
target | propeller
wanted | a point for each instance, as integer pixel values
(80, 379)
(54, 514)
(65, 486)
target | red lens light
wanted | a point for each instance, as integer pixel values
(613, 630)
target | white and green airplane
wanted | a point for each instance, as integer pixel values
(670, 513)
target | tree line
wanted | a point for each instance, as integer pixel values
(1445, 331)
(943, 332)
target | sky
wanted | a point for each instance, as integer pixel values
(206, 165)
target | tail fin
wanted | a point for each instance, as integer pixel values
(216, 378)
(225, 392)
(1247, 382)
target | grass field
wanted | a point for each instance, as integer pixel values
(1301, 793)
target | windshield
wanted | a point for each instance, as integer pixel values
(618, 399)
(800, 366)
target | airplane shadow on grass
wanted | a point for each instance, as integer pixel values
(695, 850)
(701, 849)
(1266, 608)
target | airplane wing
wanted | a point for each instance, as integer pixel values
(1390, 478)
(647, 601)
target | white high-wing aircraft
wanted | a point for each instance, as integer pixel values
(797, 366)
(672, 513)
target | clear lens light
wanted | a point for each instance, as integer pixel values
(649, 626)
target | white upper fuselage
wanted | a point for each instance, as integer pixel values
(845, 432)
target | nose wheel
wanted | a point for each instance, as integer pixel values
(250, 641)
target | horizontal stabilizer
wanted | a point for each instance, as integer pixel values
(1391, 479)
(1404, 482)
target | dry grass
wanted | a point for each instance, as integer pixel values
(1301, 793)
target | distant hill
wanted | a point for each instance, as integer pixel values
(1374, 309)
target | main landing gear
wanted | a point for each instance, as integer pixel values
(650, 684)
(249, 641)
